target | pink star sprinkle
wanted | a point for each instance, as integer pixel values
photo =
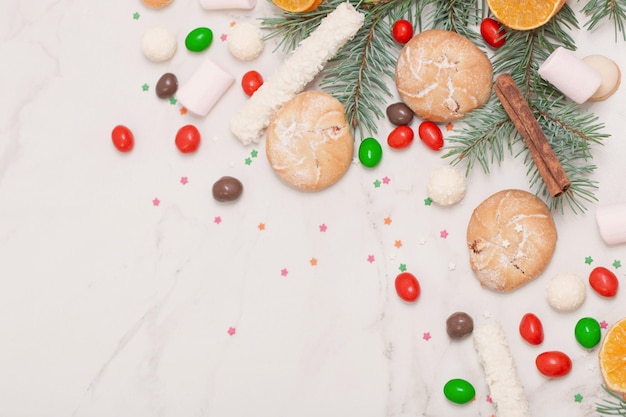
(156, 202)
(323, 227)
(370, 258)
(443, 234)
(489, 399)
(604, 324)
(184, 180)
(386, 180)
(426, 336)
(284, 272)
(232, 331)
(223, 37)
(217, 220)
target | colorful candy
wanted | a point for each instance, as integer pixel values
(407, 286)
(370, 152)
(459, 391)
(492, 32)
(531, 329)
(431, 135)
(400, 137)
(402, 31)
(199, 39)
(587, 332)
(399, 114)
(553, 364)
(122, 138)
(250, 82)
(459, 325)
(227, 189)
(603, 281)
(187, 139)
(167, 85)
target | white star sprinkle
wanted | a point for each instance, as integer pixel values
(518, 227)
(505, 243)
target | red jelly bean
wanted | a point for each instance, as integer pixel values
(531, 329)
(402, 31)
(400, 137)
(407, 286)
(122, 138)
(553, 364)
(250, 82)
(492, 32)
(188, 139)
(603, 281)
(431, 135)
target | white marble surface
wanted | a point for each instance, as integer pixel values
(111, 305)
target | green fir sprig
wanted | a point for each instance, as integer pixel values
(616, 406)
(600, 11)
(360, 74)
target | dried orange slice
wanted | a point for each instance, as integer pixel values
(297, 5)
(524, 14)
(612, 357)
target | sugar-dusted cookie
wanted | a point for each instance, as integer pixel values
(156, 4)
(309, 142)
(442, 75)
(511, 238)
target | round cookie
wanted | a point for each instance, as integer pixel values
(442, 75)
(446, 185)
(566, 292)
(610, 74)
(309, 142)
(511, 238)
(245, 41)
(156, 4)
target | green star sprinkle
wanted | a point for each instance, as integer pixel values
(145, 87)
(254, 153)
(377, 183)
(428, 201)
(173, 100)
(588, 260)
(402, 267)
(617, 263)
(136, 15)
(248, 161)
(578, 398)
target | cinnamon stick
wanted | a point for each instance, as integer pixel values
(517, 108)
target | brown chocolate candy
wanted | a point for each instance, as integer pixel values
(167, 85)
(227, 189)
(459, 325)
(399, 114)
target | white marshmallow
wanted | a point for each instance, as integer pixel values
(204, 88)
(227, 4)
(576, 79)
(611, 222)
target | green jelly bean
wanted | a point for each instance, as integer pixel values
(459, 391)
(370, 152)
(199, 39)
(587, 332)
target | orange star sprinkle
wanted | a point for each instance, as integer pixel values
(398, 244)
(261, 226)
(232, 23)
(183, 110)
(449, 126)
(387, 220)
(313, 261)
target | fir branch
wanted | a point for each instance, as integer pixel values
(613, 407)
(360, 73)
(612, 10)
(459, 16)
